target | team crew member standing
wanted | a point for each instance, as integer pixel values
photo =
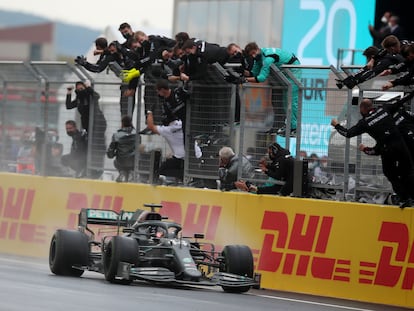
(122, 148)
(85, 97)
(263, 59)
(397, 164)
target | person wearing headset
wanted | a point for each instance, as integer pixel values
(278, 166)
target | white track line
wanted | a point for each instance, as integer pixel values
(315, 303)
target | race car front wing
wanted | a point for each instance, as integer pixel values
(163, 275)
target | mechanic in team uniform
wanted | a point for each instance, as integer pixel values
(381, 61)
(198, 55)
(76, 159)
(397, 163)
(238, 75)
(174, 102)
(263, 59)
(407, 78)
(280, 168)
(86, 96)
(122, 148)
(404, 120)
(173, 133)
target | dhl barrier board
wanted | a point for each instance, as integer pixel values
(339, 249)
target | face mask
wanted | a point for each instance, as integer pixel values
(312, 165)
(237, 54)
(126, 35)
(80, 93)
(70, 133)
(145, 44)
(258, 57)
(384, 19)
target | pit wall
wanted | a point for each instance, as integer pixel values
(338, 249)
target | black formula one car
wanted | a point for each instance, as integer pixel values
(145, 246)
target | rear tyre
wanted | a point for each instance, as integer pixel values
(119, 249)
(238, 260)
(68, 248)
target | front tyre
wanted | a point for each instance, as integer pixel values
(238, 260)
(68, 248)
(119, 249)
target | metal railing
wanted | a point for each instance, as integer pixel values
(32, 104)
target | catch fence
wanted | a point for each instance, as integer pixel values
(33, 116)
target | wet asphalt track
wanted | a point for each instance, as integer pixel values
(27, 284)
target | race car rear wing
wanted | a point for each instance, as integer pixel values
(104, 217)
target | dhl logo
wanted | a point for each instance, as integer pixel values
(310, 235)
(396, 260)
(278, 250)
(15, 210)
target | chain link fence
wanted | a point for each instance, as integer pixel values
(33, 116)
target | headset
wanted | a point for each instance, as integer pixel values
(274, 148)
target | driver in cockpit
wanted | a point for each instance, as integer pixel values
(153, 230)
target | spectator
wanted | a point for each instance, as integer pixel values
(280, 168)
(229, 167)
(395, 28)
(76, 159)
(384, 30)
(250, 153)
(303, 155)
(320, 174)
(314, 165)
(25, 161)
(397, 163)
(52, 166)
(122, 148)
(172, 166)
(263, 59)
